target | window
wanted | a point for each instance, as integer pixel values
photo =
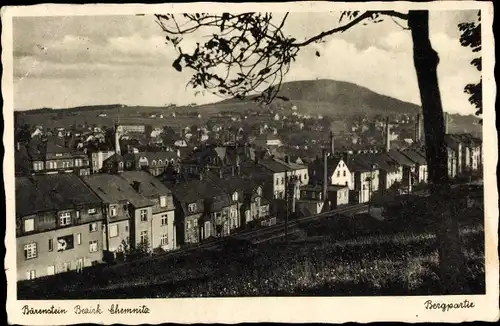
(58, 155)
(126, 228)
(92, 227)
(144, 215)
(65, 219)
(29, 224)
(51, 244)
(188, 225)
(66, 267)
(160, 162)
(163, 201)
(92, 211)
(113, 230)
(164, 220)
(164, 239)
(51, 270)
(93, 246)
(277, 181)
(144, 237)
(192, 207)
(112, 211)
(37, 166)
(344, 173)
(30, 275)
(282, 180)
(338, 173)
(153, 162)
(30, 250)
(235, 196)
(78, 238)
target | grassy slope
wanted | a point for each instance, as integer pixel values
(329, 259)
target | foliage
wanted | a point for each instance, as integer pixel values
(471, 37)
(245, 53)
(138, 251)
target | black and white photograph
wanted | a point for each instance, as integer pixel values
(284, 152)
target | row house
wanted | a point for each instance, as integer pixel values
(364, 178)
(98, 158)
(49, 157)
(153, 162)
(315, 199)
(224, 160)
(406, 167)
(247, 194)
(203, 210)
(58, 225)
(454, 156)
(279, 174)
(471, 159)
(337, 172)
(418, 158)
(163, 211)
(138, 211)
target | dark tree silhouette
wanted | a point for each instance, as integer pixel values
(471, 37)
(248, 54)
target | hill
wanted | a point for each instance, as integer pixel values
(327, 97)
(332, 97)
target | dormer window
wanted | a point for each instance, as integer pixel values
(29, 225)
(259, 191)
(160, 162)
(163, 201)
(58, 154)
(153, 162)
(192, 207)
(235, 196)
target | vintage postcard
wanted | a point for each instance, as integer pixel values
(250, 162)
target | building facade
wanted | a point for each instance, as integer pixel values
(59, 225)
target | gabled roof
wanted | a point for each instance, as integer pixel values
(415, 156)
(274, 166)
(149, 185)
(29, 200)
(52, 192)
(400, 158)
(356, 164)
(113, 189)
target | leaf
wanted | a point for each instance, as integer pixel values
(177, 64)
(317, 54)
(264, 71)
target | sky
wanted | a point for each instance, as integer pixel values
(69, 61)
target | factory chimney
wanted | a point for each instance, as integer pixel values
(418, 129)
(332, 144)
(387, 135)
(446, 123)
(117, 141)
(325, 174)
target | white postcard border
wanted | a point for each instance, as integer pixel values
(235, 310)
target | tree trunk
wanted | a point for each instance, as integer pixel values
(452, 262)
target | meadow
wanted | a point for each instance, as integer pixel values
(329, 258)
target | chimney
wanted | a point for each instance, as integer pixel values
(287, 159)
(446, 123)
(418, 130)
(325, 173)
(137, 186)
(387, 135)
(332, 144)
(117, 141)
